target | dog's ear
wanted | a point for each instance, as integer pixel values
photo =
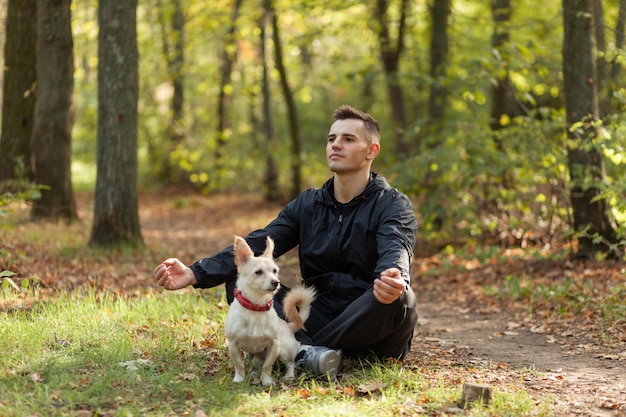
(269, 248)
(243, 253)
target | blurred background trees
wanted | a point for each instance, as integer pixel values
(481, 106)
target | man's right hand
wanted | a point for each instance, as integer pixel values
(172, 274)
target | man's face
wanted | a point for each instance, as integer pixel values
(347, 148)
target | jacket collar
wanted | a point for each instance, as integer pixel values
(249, 305)
(376, 183)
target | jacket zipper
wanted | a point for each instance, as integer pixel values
(341, 210)
(337, 235)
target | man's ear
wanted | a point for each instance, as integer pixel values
(374, 149)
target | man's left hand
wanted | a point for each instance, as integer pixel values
(390, 286)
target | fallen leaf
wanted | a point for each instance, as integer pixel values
(36, 377)
(611, 406)
(188, 376)
(322, 390)
(369, 387)
(538, 329)
(136, 364)
(304, 393)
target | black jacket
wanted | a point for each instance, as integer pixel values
(342, 248)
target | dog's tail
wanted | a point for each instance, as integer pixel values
(297, 306)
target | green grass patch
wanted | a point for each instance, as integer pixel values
(164, 354)
(566, 297)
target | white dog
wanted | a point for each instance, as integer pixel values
(252, 325)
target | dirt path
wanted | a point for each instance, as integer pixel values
(580, 382)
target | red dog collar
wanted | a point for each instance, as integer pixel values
(245, 303)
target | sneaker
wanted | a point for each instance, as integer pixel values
(320, 360)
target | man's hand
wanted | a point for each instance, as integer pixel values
(172, 274)
(390, 286)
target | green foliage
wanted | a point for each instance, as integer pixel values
(517, 196)
(15, 191)
(18, 189)
(469, 182)
(8, 282)
(8, 197)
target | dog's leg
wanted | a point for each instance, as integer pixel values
(237, 358)
(268, 364)
(290, 373)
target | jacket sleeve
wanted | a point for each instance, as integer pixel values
(221, 268)
(396, 235)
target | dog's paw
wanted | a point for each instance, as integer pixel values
(238, 378)
(254, 378)
(289, 376)
(267, 380)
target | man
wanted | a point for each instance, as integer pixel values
(356, 237)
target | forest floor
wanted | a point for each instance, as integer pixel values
(474, 335)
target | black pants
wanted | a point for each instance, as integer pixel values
(362, 326)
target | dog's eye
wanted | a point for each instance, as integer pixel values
(259, 272)
(275, 271)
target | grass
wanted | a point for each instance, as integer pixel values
(164, 354)
(89, 336)
(568, 296)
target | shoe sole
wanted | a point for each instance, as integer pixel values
(329, 363)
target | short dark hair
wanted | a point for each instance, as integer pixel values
(372, 127)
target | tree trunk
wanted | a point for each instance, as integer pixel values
(390, 55)
(439, 12)
(116, 219)
(503, 92)
(613, 81)
(600, 41)
(172, 20)
(272, 191)
(604, 106)
(229, 56)
(292, 111)
(437, 100)
(616, 65)
(592, 220)
(18, 106)
(52, 135)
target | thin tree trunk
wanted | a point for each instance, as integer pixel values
(613, 82)
(391, 53)
(601, 65)
(116, 217)
(592, 219)
(503, 92)
(20, 74)
(229, 56)
(437, 100)
(272, 191)
(616, 66)
(52, 136)
(292, 111)
(172, 19)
